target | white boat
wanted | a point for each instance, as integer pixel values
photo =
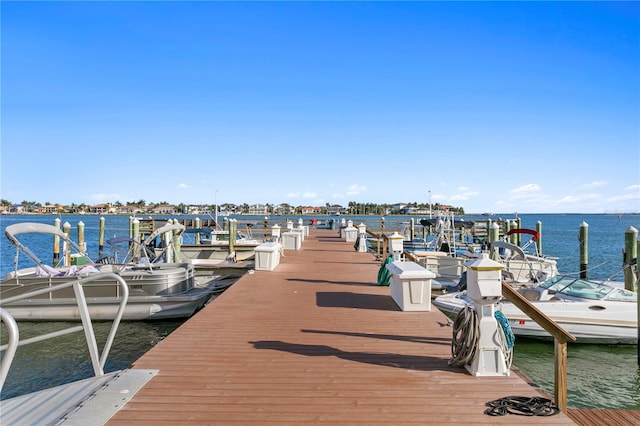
(591, 311)
(156, 290)
(214, 246)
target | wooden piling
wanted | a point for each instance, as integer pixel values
(56, 244)
(176, 244)
(66, 250)
(584, 249)
(494, 234)
(81, 242)
(197, 226)
(135, 235)
(233, 226)
(539, 240)
(630, 253)
(101, 236)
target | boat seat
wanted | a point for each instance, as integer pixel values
(530, 294)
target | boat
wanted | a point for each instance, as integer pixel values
(214, 245)
(593, 312)
(519, 265)
(157, 289)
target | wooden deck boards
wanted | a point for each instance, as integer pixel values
(315, 341)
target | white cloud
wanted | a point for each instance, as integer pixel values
(526, 189)
(635, 196)
(632, 188)
(465, 194)
(356, 189)
(572, 199)
(183, 186)
(594, 184)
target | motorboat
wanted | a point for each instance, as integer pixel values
(593, 312)
(157, 289)
(214, 245)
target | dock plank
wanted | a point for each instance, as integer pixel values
(316, 341)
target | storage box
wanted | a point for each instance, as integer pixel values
(410, 285)
(291, 240)
(267, 256)
(351, 234)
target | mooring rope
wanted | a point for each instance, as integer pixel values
(466, 332)
(521, 406)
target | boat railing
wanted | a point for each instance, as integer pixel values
(98, 359)
(560, 337)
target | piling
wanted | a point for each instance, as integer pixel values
(584, 249)
(412, 230)
(638, 304)
(493, 235)
(81, 242)
(506, 227)
(539, 240)
(135, 235)
(519, 225)
(233, 226)
(66, 250)
(168, 239)
(56, 244)
(197, 226)
(101, 237)
(630, 255)
(176, 243)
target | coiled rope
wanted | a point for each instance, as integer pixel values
(507, 338)
(521, 406)
(466, 332)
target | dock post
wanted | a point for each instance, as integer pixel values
(197, 225)
(382, 241)
(81, 243)
(539, 241)
(494, 234)
(508, 225)
(135, 235)
(638, 304)
(101, 237)
(56, 244)
(412, 230)
(584, 249)
(630, 254)
(233, 226)
(176, 243)
(519, 226)
(66, 250)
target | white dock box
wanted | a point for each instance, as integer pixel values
(351, 234)
(267, 256)
(410, 285)
(291, 240)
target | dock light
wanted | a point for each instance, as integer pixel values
(396, 245)
(484, 287)
(289, 225)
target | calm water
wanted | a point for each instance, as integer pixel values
(598, 376)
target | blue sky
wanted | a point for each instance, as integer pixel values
(490, 106)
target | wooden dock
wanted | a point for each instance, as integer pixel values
(316, 341)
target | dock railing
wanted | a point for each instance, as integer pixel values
(560, 336)
(98, 359)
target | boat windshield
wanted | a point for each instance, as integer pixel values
(576, 287)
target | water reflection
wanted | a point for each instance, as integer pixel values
(66, 359)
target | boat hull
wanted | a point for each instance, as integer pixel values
(161, 292)
(588, 324)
